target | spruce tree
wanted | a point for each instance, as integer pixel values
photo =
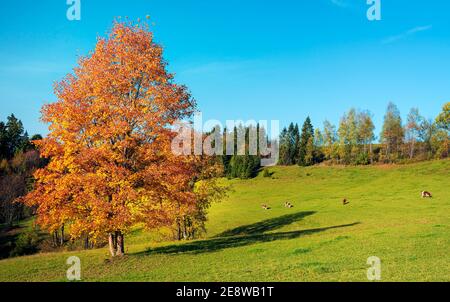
(3, 141)
(296, 144)
(307, 134)
(292, 150)
(13, 138)
(284, 148)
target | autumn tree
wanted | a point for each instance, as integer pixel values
(441, 139)
(356, 137)
(412, 130)
(440, 143)
(18, 161)
(329, 140)
(366, 135)
(318, 138)
(318, 144)
(310, 152)
(15, 181)
(443, 119)
(191, 218)
(109, 145)
(348, 136)
(392, 133)
(427, 130)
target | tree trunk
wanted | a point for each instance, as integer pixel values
(86, 242)
(56, 238)
(111, 240)
(62, 235)
(388, 152)
(179, 230)
(184, 229)
(120, 251)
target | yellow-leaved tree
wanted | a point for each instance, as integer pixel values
(109, 146)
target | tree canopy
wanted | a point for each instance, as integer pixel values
(109, 145)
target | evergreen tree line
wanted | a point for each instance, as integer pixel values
(242, 164)
(18, 160)
(353, 141)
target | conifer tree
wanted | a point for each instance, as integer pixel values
(306, 135)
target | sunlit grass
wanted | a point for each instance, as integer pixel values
(317, 240)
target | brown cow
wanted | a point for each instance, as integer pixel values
(426, 194)
(288, 205)
(265, 207)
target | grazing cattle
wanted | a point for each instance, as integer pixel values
(426, 194)
(288, 205)
(345, 202)
(265, 207)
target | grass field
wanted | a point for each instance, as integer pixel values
(317, 240)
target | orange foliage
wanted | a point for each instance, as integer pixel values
(109, 146)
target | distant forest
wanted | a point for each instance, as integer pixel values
(18, 160)
(353, 141)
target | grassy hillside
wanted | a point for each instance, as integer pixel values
(317, 240)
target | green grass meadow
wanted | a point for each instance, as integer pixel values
(319, 239)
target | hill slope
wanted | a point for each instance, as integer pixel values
(317, 240)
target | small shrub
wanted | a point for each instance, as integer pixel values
(26, 244)
(266, 173)
(362, 159)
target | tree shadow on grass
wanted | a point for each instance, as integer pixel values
(266, 225)
(243, 236)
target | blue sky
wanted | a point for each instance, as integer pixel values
(246, 59)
